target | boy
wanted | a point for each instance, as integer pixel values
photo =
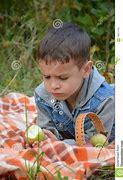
(71, 84)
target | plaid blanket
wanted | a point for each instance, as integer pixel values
(54, 158)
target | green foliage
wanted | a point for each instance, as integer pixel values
(23, 24)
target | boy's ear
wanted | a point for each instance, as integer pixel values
(87, 69)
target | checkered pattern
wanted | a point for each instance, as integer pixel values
(18, 111)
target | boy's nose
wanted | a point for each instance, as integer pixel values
(55, 85)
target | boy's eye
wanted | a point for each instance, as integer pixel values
(46, 77)
(63, 78)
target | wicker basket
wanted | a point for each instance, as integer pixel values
(79, 127)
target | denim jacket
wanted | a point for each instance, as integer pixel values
(96, 95)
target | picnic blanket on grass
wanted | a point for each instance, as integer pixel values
(55, 158)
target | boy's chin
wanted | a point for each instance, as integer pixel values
(60, 98)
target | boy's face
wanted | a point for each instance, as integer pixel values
(63, 81)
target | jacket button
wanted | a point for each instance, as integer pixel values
(60, 112)
(52, 100)
(61, 126)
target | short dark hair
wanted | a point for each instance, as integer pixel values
(67, 42)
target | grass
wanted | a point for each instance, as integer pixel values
(106, 172)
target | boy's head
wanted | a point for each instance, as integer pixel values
(64, 61)
(69, 42)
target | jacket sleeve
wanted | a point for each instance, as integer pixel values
(44, 121)
(106, 113)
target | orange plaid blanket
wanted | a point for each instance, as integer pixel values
(53, 157)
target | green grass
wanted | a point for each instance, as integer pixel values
(106, 172)
(18, 71)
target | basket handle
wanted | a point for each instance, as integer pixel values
(79, 126)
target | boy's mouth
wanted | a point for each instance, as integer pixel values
(56, 94)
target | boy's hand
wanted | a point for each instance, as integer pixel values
(49, 134)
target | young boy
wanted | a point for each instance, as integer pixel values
(71, 84)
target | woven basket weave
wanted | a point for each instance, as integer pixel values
(79, 127)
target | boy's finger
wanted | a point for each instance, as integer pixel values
(49, 134)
